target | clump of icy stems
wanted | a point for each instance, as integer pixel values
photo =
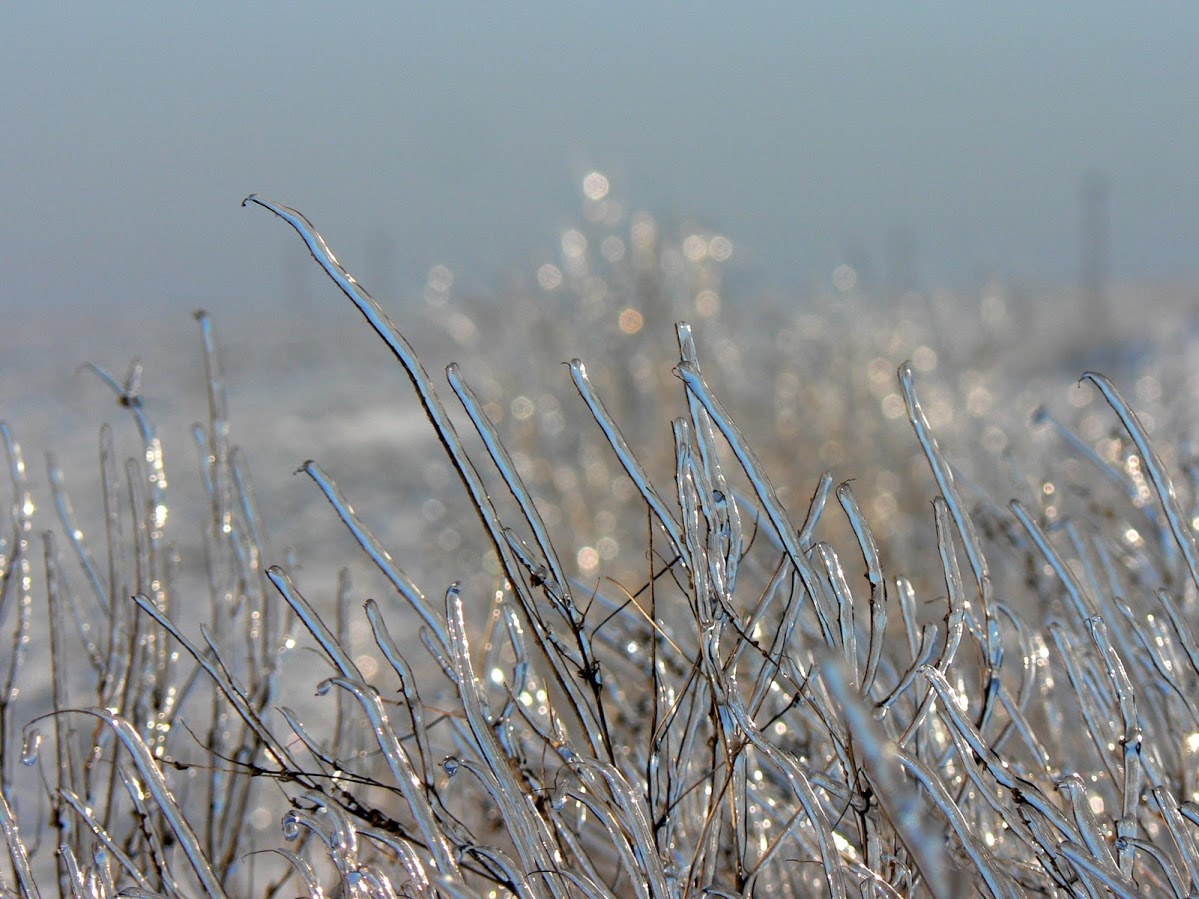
(762, 714)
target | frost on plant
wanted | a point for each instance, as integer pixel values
(769, 699)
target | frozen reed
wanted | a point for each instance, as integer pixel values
(773, 708)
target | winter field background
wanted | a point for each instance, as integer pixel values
(814, 384)
(847, 586)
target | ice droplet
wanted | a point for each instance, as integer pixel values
(29, 749)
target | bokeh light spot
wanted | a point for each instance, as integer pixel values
(588, 558)
(631, 321)
(549, 277)
(845, 278)
(595, 185)
(522, 408)
(720, 248)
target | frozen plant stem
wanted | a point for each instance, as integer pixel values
(916, 697)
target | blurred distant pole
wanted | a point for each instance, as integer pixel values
(1094, 258)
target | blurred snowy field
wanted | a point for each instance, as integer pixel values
(809, 377)
(310, 381)
(810, 380)
(315, 383)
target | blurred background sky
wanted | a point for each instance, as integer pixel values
(458, 133)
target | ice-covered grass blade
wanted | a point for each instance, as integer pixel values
(657, 681)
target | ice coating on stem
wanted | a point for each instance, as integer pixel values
(406, 778)
(313, 621)
(620, 446)
(522, 821)
(377, 552)
(18, 854)
(446, 432)
(222, 680)
(163, 798)
(1030, 732)
(507, 468)
(943, 474)
(1159, 476)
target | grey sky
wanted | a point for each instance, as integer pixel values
(128, 134)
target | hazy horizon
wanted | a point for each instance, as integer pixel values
(458, 134)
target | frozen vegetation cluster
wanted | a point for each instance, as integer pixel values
(678, 668)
